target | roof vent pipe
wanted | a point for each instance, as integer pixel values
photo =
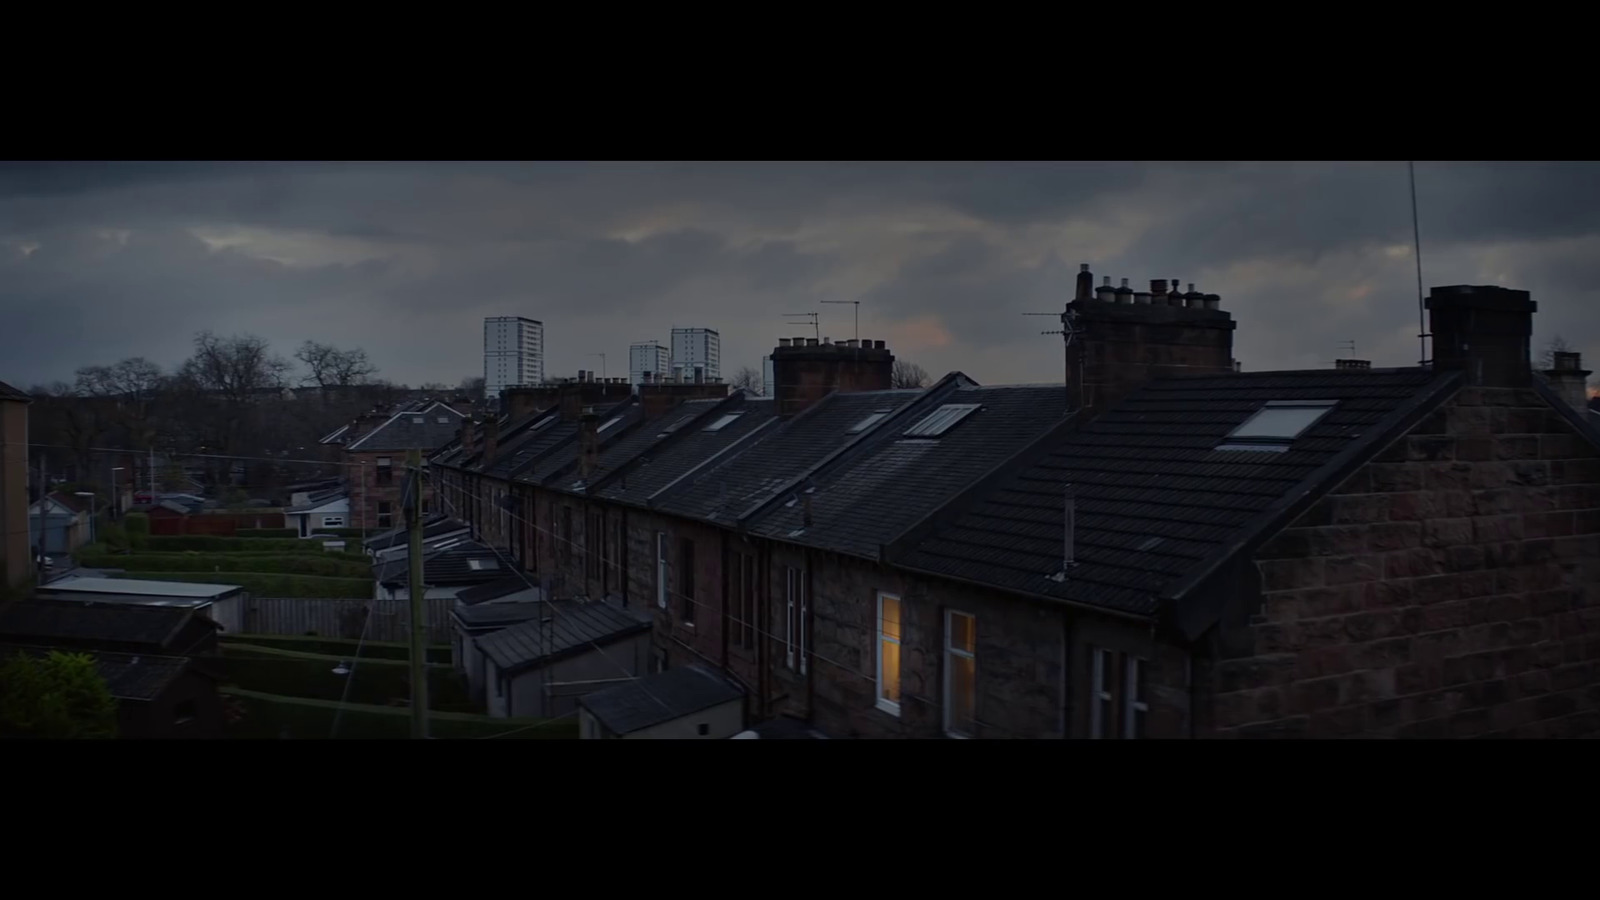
(1085, 283)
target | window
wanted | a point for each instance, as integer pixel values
(417, 420)
(592, 547)
(941, 420)
(444, 420)
(659, 663)
(185, 712)
(742, 574)
(385, 473)
(1135, 707)
(661, 569)
(724, 422)
(385, 514)
(564, 539)
(868, 422)
(1100, 709)
(608, 424)
(791, 631)
(1275, 426)
(686, 578)
(483, 565)
(889, 653)
(333, 521)
(960, 674)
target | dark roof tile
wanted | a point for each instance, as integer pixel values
(569, 627)
(644, 702)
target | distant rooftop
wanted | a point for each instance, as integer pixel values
(130, 587)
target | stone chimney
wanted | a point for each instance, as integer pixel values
(588, 442)
(656, 399)
(807, 371)
(1484, 331)
(469, 436)
(1570, 379)
(1119, 345)
(491, 439)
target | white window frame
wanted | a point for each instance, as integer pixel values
(804, 623)
(333, 521)
(1131, 682)
(661, 569)
(891, 707)
(951, 652)
(789, 629)
(1100, 660)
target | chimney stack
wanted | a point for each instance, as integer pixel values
(1570, 379)
(491, 439)
(1143, 336)
(469, 436)
(1085, 283)
(588, 442)
(804, 373)
(1483, 330)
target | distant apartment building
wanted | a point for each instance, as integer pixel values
(696, 348)
(649, 357)
(513, 353)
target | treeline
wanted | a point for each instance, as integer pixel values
(234, 396)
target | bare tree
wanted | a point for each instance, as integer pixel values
(134, 386)
(907, 374)
(328, 366)
(747, 379)
(1547, 357)
(222, 385)
(473, 386)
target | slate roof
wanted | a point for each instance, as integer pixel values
(70, 501)
(491, 615)
(877, 492)
(466, 563)
(67, 621)
(660, 461)
(128, 676)
(432, 527)
(1158, 507)
(494, 590)
(517, 443)
(318, 501)
(7, 392)
(571, 628)
(626, 416)
(402, 432)
(645, 702)
(723, 491)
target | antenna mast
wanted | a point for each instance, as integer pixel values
(815, 324)
(857, 305)
(1416, 237)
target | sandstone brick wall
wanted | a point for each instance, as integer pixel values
(366, 494)
(1451, 588)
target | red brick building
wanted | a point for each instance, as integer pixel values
(375, 461)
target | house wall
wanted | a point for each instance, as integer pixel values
(702, 639)
(1451, 588)
(15, 548)
(366, 494)
(721, 721)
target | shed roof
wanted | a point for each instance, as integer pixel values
(491, 615)
(127, 676)
(646, 702)
(570, 627)
(68, 620)
(7, 392)
(140, 589)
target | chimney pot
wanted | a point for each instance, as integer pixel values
(1142, 297)
(880, 345)
(1083, 267)
(783, 342)
(811, 342)
(1213, 301)
(1158, 286)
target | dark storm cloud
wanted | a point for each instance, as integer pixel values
(107, 261)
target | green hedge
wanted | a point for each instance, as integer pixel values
(211, 544)
(339, 647)
(270, 585)
(263, 563)
(267, 533)
(378, 682)
(138, 527)
(269, 717)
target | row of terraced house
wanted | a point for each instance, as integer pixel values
(1161, 545)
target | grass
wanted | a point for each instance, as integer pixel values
(272, 716)
(339, 647)
(291, 673)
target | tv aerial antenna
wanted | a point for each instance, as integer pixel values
(816, 326)
(857, 305)
(1068, 329)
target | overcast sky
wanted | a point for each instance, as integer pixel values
(103, 261)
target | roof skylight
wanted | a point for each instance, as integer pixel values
(483, 565)
(871, 420)
(608, 424)
(676, 425)
(942, 419)
(723, 422)
(1277, 424)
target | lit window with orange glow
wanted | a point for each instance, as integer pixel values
(889, 653)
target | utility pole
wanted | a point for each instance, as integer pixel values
(416, 589)
(602, 364)
(857, 305)
(152, 474)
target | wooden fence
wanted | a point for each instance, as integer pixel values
(219, 524)
(335, 618)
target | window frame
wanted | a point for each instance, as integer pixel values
(333, 521)
(1102, 694)
(790, 631)
(383, 473)
(662, 585)
(951, 651)
(1134, 683)
(891, 707)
